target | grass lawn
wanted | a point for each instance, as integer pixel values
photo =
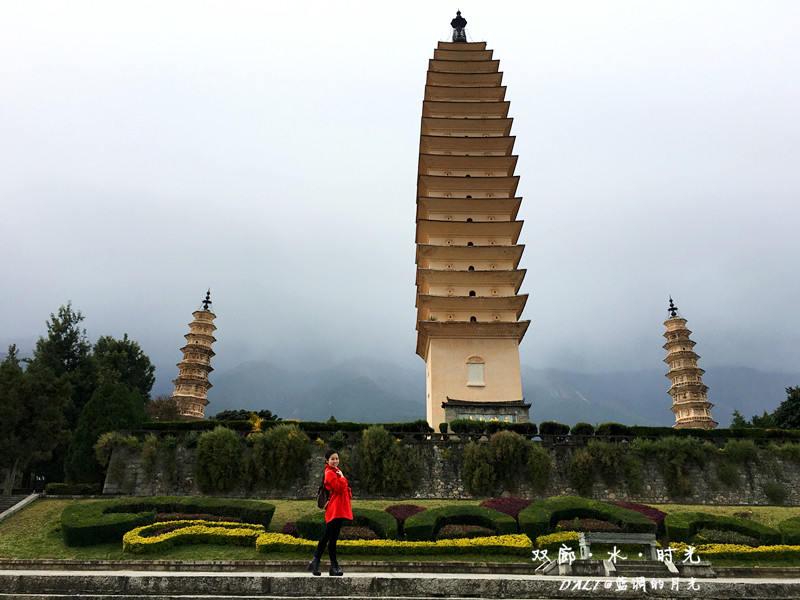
(35, 532)
(766, 515)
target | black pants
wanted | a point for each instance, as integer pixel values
(329, 538)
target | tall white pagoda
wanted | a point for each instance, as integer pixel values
(192, 385)
(689, 402)
(468, 280)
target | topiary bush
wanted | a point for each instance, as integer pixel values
(790, 531)
(651, 512)
(526, 429)
(73, 489)
(553, 428)
(584, 429)
(716, 536)
(311, 526)
(681, 527)
(89, 523)
(466, 426)
(614, 429)
(387, 466)
(424, 526)
(541, 517)
(509, 506)
(218, 460)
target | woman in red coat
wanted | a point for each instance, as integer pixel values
(336, 513)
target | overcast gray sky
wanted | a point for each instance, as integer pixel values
(269, 150)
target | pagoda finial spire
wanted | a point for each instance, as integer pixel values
(673, 310)
(458, 24)
(207, 301)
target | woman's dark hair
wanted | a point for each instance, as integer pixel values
(330, 452)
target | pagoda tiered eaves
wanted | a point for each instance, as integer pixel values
(689, 402)
(468, 281)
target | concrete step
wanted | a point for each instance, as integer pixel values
(121, 585)
(7, 502)
(642, 568)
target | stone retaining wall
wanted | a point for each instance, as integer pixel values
(441, 467)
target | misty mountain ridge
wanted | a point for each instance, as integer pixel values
(365, 390)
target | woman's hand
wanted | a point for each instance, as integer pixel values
(339, 473)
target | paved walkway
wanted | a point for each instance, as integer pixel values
(133, 584)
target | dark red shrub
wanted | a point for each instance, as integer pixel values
(449, 532)
(402, 511)
(650, 512)
(510, 506)
(289, 529)
(587, 525)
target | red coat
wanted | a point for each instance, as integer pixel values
(339, 504)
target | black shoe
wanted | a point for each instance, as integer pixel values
(313, 566)
(335, 571)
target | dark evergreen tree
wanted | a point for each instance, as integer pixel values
(122, 361)
(738, 421)
(66, 352)
(31, 405)
(113, 406)
(163, 408)
(787, 415)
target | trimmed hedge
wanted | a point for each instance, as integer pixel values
(681, 527)
(582, 429)
(466, 426)
(206, 425)
(103, 521)
(312, 525)
(420, 426)
(613, 429)
(505, 544)
(425, 525)
(73, 489)
(541, 517)
(790, 531)
(737, 433)
(190, 532)
(553, 428)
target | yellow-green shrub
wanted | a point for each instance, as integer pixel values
(500, 544)
(194, 532)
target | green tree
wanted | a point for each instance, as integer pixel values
(765, 421)
(738, 421)
(218, 460)
(244, 415)
(162, 408)
(122, 361)
(787, 415)
(31, 403)
(113, 406)
(66, 352)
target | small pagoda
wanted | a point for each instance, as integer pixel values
(689, 402)
(468, 275)
(192, 385)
